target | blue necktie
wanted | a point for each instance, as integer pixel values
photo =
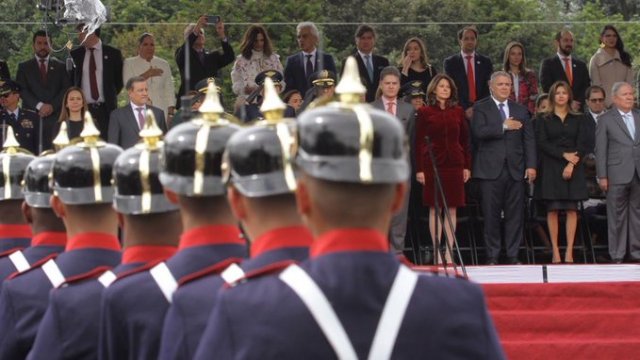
(503, 115)
(631, 126)
(367, 60)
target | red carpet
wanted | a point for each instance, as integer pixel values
(567, 321)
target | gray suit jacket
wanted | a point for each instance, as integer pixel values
(407, 114)
(34, 91)
(123, 125)
(617, 154)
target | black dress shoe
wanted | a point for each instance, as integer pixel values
(514, 261)
(492, 262)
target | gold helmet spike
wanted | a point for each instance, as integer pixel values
(10, 145)
(150, 133)
(350, 88)
(211, 104)
(62, 139)
(272, 107)
(90, 133)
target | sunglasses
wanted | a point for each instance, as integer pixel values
(598, 100)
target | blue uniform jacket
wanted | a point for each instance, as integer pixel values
(133, 308)
(263, 318)
(24, 299)
(14, 237)
(187, 316)
(70, 327)
(43, 246)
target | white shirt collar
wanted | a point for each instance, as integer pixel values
(362, 55)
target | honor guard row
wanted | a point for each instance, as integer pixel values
(180, 289)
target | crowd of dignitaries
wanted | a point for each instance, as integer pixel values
(483, 127)
(184, 282)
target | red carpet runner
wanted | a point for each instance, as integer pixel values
(567, 321)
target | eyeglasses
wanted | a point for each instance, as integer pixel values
(597, 100)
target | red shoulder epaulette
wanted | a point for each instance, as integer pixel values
(93, 273)
(35, 265)
(10, 251)
(139, 269)
(263, 271)
(209, 270)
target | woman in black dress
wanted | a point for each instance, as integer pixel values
(415, 63)
(561, 138)
(72, 112)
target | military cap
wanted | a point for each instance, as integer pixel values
(258, 160)
(13, 163)
(82, 172)
(136, 174)
(274, 75)
(348, 141)
(36, 185)
(414, 88)
(8, 86)
(323, 78)
(192, 151)
(203, 85)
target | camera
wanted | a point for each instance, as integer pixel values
(213, 19)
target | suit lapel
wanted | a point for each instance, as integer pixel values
(362, 68)
(133, 121)
(636, 121)
(622, 124)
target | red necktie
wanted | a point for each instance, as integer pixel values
(471, 79)
(140, 117)
(391, 108)
(568, 70)
(93, 82)
(43, 71)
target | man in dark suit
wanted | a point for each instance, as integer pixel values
(369, 65)
(44, 81)
(391, 103)
(4, 71)
(469, 70)
(300, 66)
(98, 71)
(505, 146)
(595, 106)
(126, 122)
(618, 169)
(555, 69)
(202, 63)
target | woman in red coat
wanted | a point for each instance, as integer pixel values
(443, 121)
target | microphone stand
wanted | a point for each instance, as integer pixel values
(438, 190)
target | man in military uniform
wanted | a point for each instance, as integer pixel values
(49, 235)
(260, 193)
(414, 92)
(82, 197)
(324, 86)
(134, 306)
(352, 299)
(25, 123)
(15, 233)
(151, 227)
(251, 111)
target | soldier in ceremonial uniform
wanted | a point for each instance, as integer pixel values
(324, 86)
(260, 192)
(15, 233)
(134, 306)
(414, 93)
(82, 197)
(25, 123)
(49, 234)
(352, 299)
(151, 227)
(251, 111)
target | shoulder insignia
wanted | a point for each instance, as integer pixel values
(38, 264)
(139, 269)
(209, 270)
(270, 269)
(91, 274)
(26, 123)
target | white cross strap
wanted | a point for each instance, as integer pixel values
(165, 280)
(232, 274)
(388, 326)
(53, 272)
(315, 300)
(107, 278)
(19, 261)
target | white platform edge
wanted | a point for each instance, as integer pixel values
(535, 274)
